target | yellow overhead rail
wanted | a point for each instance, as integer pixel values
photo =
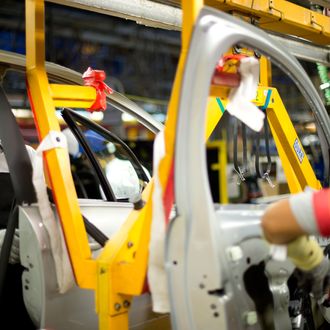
(279, 16)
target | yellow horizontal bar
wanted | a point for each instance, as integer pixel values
(219, 91)
(216, 167)
(222, 92)
(281, 16)
(73, 96)
(216, 144)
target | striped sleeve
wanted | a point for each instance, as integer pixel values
(302, 208)
(321, 206)
(312, 211)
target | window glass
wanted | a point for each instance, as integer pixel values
(124, 177)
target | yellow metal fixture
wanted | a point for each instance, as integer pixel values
(221, 167)
(119, 272)
(280, 16)
(56, 160)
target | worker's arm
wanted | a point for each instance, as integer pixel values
(279, 223)
(289, 222)
(304, 213)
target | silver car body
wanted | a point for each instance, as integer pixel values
(210, 249)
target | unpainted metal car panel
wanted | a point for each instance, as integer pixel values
(203, 292)
(251, 277)
(76, 308)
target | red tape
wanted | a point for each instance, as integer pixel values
(168, 198)
(95, 78)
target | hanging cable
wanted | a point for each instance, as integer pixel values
(258, 166)
(243, 169)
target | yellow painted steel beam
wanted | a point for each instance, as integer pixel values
(125, 256)
(57, 160)
(280, 16)
(219, 91)
(296, 165)
(190, 10)
(222, 93)
(265, 68)
(213, 116)
(119, 272)
(299, 174)
(72, 96)
(123, 263)
(221, 167)
(122, 267)
(222, 155)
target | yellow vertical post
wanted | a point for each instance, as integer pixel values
(295, 184)
(222, 156)
(56, 160)
(296, 165)
(213, 116)
(122, 267)
(265, 72)
(190, 10)
(221, 167)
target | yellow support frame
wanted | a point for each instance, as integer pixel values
(56, 160)
(298, 172)
(221, 167)
(280, 16)
(119, 272)
(72, 96)
(190, 11)
(122, 267)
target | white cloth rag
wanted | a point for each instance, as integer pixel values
(156, 270)
(65, 279)
(239, 99)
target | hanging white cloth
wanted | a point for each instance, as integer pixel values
(239, 99)
(65, 279)
(156, 271)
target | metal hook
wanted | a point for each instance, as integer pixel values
(240, 174)
(264, 175)
(240, 170)
(268, 179)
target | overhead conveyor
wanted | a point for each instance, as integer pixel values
(147, 12)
